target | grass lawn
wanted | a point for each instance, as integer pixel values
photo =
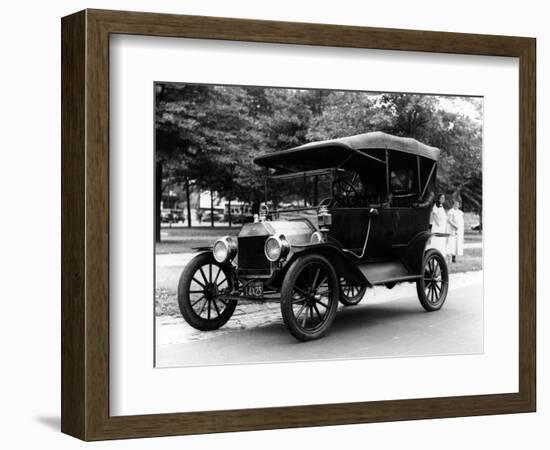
(471, 260)
(473, 236)
(183, 240)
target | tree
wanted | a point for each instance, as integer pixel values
(418, 116)
(345, 113)
(175, 143)
(460, 167)
(457, 135)
(211, 134)
(200, 131)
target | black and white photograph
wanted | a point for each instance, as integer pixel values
(269, 225)
(296, 224)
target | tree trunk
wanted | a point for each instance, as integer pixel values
(212, 209)
(481, 219)
(188, 202)
(229, 211)
(158, 199)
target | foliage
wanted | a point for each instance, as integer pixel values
(420, 117)
(211, 134)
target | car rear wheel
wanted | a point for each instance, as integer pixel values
(201, 283)
(309, 297)
(350, 294)
(433, 286)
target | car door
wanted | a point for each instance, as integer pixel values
(402, 226)
(381, 230)
(349, 227)
(366, 232)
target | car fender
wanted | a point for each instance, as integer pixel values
(413, 257)
(202, 250)
(344, 265)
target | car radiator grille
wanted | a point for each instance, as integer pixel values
(251, 259)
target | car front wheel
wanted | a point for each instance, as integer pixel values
(309, 297)
(199, 293)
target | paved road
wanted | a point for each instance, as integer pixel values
(387, 323)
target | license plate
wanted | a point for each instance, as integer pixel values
(254, 289)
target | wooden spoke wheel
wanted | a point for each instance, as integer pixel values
(350, 294)
(201, 283)
(309, 297)
(432, 288)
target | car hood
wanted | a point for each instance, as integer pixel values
(295, 231)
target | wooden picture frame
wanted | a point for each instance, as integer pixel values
(85, 224)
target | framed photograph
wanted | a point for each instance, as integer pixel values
(273, 225)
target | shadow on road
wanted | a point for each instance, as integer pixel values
(349, 320)
(396, 328)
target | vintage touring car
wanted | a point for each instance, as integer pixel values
(340, 216)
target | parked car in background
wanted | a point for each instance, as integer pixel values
(172, 216)
(242, 218)
(207, 215)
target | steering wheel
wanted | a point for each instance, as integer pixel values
(326, 202)
(344, 192)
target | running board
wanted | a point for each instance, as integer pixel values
(386, 272)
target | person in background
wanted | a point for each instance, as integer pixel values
(455, 219)
(438, 222)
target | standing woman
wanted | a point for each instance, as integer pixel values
(438, 221)
(456, 230)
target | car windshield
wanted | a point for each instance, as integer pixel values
(298, 190)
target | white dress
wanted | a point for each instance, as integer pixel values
(455, 244)
(438, 220)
